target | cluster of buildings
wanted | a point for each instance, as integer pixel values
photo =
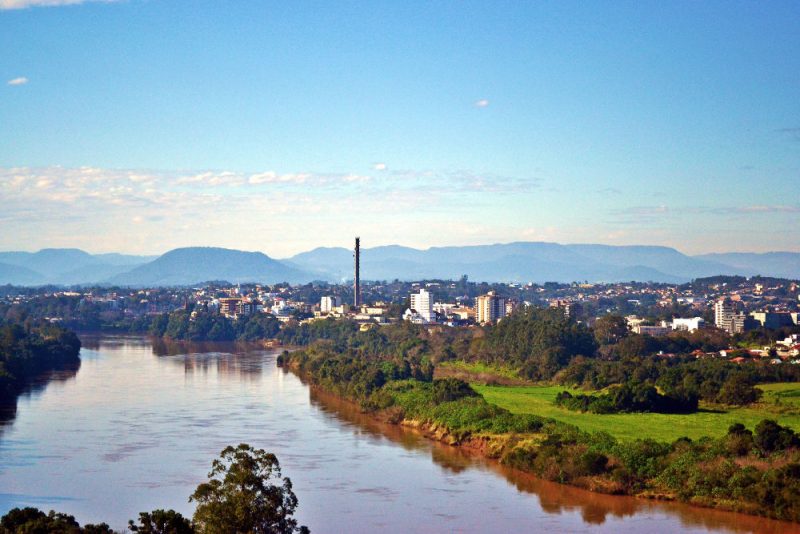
(730, 317)
(487, 309)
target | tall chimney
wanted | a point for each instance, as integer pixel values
(357, 281)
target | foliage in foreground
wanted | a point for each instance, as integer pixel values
(245, 494)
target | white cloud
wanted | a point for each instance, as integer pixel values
(22, 80)
(380, 167)
(152, 211)
(272, 177)
(482, 103)
(23, 4)
(354, 178)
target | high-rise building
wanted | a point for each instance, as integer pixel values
(422, 303)
(489, 308)
(327, 304)
(723, 314)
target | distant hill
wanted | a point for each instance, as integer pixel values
(520, 262)
(66, 266)
(663, 259)
(778, 264)
(51, 262)
(186, 266)
(524, 262)
(19, 276)
(114, 258)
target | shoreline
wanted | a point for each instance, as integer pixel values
(490, 448)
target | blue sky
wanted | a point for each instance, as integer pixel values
(144, 125)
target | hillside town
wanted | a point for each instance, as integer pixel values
(734, 305)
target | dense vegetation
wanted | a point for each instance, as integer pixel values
(629, 397)
(543, 344)
(28, 350)
(245, 493)
(644, 373)
(209, 326)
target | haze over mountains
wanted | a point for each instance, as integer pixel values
(521, 262)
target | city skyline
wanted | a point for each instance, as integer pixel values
(141, 126)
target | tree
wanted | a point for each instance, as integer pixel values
(771, 437)
(609, 329)
(738, 390)
(34, 521)
(161, 522)
(245, 494)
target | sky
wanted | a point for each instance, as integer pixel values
(139, 126)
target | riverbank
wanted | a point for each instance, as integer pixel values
(596, 508)
(743, 471)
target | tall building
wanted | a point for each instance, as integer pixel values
(723, 314)
(422, 303)
(489, 308)
(327, 304)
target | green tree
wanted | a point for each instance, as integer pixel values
(737, 389)
(34, 521)
(609, 329)
(245, 494)
(161, 522)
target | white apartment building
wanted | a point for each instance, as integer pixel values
(422, 303)
(723, 314)
(327, 304)
(689, 325)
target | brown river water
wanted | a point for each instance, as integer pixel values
(137, 425)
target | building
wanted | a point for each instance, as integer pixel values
(570, 307)
(511, 306)
(234, 307)
(742, 323)
(489, 308)
(422, 303)
(688, 325)
(327, 304)
(655, 331)
(229, 306)
(723, 314)
(772, 320)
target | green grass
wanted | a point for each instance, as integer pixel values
(783, 397)
(709, 421)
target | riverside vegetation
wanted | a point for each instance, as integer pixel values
(390, 373)
(29, 349)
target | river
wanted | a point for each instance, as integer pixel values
(137, 425)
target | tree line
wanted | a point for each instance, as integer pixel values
(30, 349)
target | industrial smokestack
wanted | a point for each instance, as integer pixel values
(357, 281)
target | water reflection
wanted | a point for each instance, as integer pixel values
(64, 373)
(234, 359)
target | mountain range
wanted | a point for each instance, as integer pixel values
(520, 262)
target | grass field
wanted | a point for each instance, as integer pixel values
(780, 402)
